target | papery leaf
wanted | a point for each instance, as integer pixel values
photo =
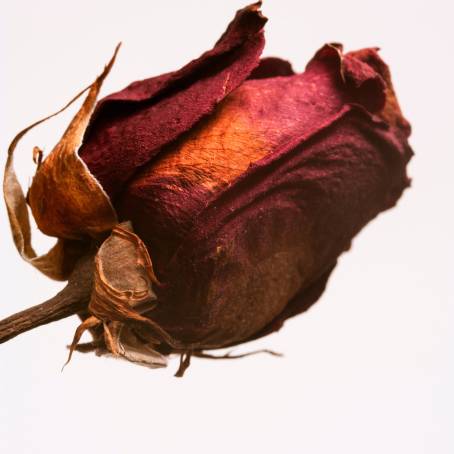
(65, 198)
(122, 290)
(59, 261)
(123, 275)
(247, 213)
(140, 352)
(123, 282)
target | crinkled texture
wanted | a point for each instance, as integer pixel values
(277, 231)
(258, 118)
(250, 210)
(66, 200)
(129, 127)
(246, 181)
(272, 67)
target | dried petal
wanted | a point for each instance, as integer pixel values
(272, 67)
(123, 276)
(65, 198)
(60, 260)
(252, 207)
(255, 121)
(243, 180)
(131, 126)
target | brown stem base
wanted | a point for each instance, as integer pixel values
(72, 299)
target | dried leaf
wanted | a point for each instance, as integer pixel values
(123, 276)
(122, 290)
(139, 352)
(60, 260)
(122, 283)
(65, 198)
(247, 213)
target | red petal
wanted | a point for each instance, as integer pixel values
(272, 67)
(129, 127)
(304, 163)
(256, 120)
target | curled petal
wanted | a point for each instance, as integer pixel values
(130, 127)
(123, 283)
(65, 198)
(60, 260)
(272, 67)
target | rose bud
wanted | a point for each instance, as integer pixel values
(202, 208)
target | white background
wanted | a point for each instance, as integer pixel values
(369, 369)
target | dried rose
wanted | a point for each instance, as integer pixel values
(216, 199)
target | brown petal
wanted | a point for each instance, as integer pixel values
(123, 275)
(59, 261)
(122, 290)
(391, 111)
(252, 207)
(272, 67)
(66, 200)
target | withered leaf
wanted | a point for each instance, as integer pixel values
(137, 351)
(243, 180)
(123, 276)
(76, 195)
(65, 198)
(59, 261)
(160, 109)
(122, 290)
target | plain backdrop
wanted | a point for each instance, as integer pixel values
(369, 369)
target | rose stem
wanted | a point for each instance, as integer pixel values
(72, 299)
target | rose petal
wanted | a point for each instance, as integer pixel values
(130, 126)
(391, 112)
(272, 67)
(278, 229)
(256, 203)
(60, 260)
(260, 117)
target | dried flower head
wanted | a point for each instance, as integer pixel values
(202, 208)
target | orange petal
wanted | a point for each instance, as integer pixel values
(65, 198)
